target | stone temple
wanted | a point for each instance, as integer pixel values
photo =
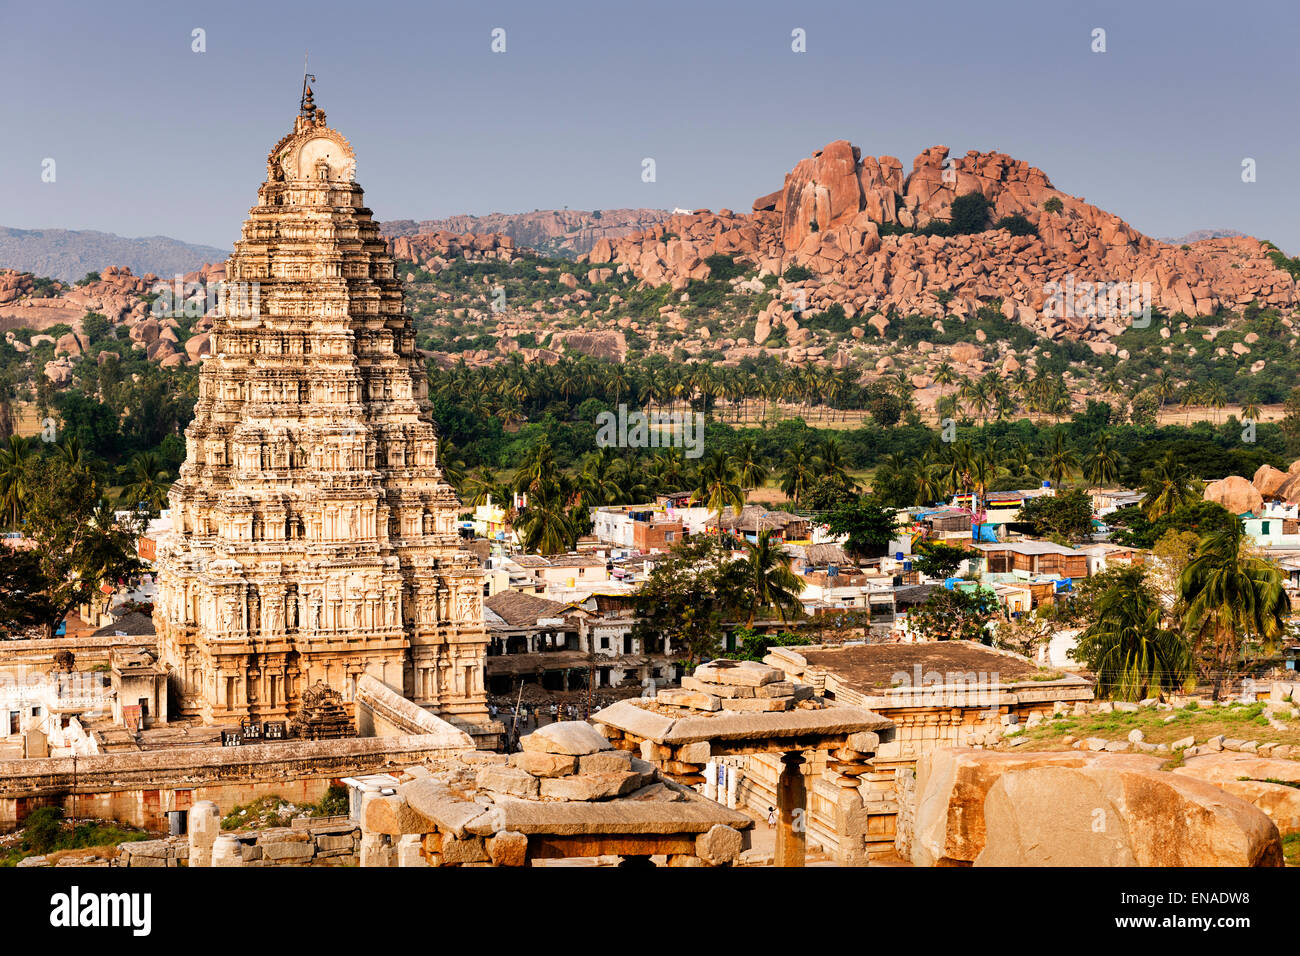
(313, 534)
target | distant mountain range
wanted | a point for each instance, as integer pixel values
(69, 254)
(1200, 234)
(557, 232)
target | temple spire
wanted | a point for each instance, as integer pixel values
(306, 106)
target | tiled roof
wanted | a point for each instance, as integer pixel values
(523, 610)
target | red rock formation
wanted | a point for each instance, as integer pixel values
(827, 218)
(433, 250)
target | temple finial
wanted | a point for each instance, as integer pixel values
(306, 105)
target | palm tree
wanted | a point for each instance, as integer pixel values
(1103, 465)
(537, 465)
(1164, 387)
(944, 375)
(72, 454)
(1168, 485)
(749, 465)
(1232, 596)
(717, 487)
(13, 487)
(1216, 396)
(147, 482)
(800, 469)
(766, 579)
(1128, 646)
(546, 524)
(1025, 461)
(830, 461)
(598, 481)
(1061, 460)
(1250, 410)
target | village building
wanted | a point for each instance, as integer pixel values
(753, 519)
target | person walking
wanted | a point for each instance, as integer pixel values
(771, 818)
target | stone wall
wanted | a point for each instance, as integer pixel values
(332, 842)
(141, 788)
(86, 649)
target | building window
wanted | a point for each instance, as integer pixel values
(604, 643)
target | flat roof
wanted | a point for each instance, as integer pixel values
(870, 667)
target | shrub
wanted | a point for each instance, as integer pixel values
(1054, 205)
(723, 267)
(970, 213)
(43, 829)
(1017, 225)
(797, 274)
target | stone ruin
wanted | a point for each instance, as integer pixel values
(322, 715)
(567, 794)
(742, 708)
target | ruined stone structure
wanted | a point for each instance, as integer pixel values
(313, 532)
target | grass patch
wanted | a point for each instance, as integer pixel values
(1291, 849)
(1241, 721)
(46, 832)
(275, 811)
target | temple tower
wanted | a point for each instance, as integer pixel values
(313, 533)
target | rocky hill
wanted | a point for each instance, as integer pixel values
(70, 254)
(557, 232)
(874, 240)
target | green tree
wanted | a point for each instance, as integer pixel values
(956, 615)
(1128, 646)
(146, 483)
(1167, 485)
(869, 525)
(1064, 516)
(970, 213)
(752, 646)
(23, 601)
(79, 543)
(764, 579)
(1232, 596)
(936, 559)
(1103, 466)
(1061, 460)
(684, 601)
(717, 486)
(13, 479)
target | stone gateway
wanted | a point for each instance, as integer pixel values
(313, 534)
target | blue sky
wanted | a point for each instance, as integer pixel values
(152, 138)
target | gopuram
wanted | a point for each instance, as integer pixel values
(313, 534)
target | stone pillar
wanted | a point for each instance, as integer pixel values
(203, 825)
(733, 781)
(227, 851)
(377, 850)
(792, 812)
(849, 763)
(710, 790)
(408, 852)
